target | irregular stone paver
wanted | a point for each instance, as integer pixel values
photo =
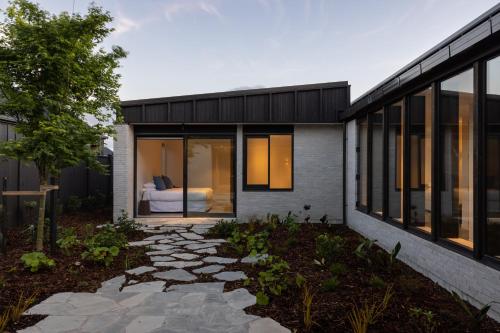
(191, 235)
(178, 264)
(140, 270)
(230, 276)
(145, 287)
(147, 307)
(239, 298)
(254, 259)
(175, 274)
(209, 269)
(185, 256)
(219, 260)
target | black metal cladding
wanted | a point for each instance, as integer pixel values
(313, 103)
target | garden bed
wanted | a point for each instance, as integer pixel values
(417, 304)
(70, 273)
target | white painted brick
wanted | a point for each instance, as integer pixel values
(123, 171)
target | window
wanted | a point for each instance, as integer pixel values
(420, 118)
(269, 160)
(362, 149)
(395, 163)
(377, 162)
(456, 158)
(492, 196)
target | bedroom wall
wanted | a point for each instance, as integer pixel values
(173, 161)
(318, 152)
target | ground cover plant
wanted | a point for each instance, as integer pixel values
(352, 285)
(26, 282)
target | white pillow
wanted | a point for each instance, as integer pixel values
(149, 185)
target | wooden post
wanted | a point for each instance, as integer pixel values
(3, 241)
(53, 224)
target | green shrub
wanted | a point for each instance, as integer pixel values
(101, 254)
(330, 284)
(126, 224)
(223, 228)
(36, 261)
(425, 321)
(252, 244)
(274, 280)
(328, 247)
(363, 250)
(108, 236)
(337, 268)
(376, 282)
(67, 240)
(73, 204)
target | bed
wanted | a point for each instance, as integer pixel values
(171, 200)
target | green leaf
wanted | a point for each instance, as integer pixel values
(261, 298)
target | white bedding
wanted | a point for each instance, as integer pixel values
(177, 206)
(176, 194)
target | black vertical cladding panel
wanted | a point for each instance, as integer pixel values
(257, 108)
(308, 110)
(207, 111)
(181, 112)
(155, 113)
(232, 109)
(132, 114)
(334, 101)
(283, 107)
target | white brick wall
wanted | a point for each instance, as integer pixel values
(317, 177)
(476, 282)
(123, 170)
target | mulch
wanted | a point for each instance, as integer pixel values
(70, 273)
(331, 308)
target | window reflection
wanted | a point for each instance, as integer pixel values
(456, 158)
(377, 142)
(395, 162)
(363, 162)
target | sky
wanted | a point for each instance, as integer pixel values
(179, 47)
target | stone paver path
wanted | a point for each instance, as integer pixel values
(122, 304)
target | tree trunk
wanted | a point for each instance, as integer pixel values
(41, 215)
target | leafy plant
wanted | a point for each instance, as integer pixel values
(362, 317)
(307, 301)
(261, 298)
(101, 254)
(300, 280)
(74, 204)
(108, 236)
(16, 311)
(330, 284)
(328, 247)
(253, 244)
(36, 261)
(394, 253)
(426, 320)
(476, 317)
(376, 282)
(273, 280)
(337, 268)
(67, 240)
(363, 250)
(126, 224)
(223, 228)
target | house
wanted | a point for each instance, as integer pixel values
(415, 160)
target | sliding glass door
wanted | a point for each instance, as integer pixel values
(210, 176)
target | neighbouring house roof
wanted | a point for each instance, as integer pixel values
(310, 103)
(482, 31)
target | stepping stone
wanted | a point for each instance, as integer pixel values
(175, 274)
(185, 242)
(230, 276)
(145, 287)
(160, 253)
(204, 287)
(191, 236)
(145, 324)
(265, 325)
(213, 240)
(209, 250)
(185, 256)
(132, 282)
(112, 285)
(156, 237)
(161, 258)
(200, 231)
(162, 247)
(239, 298)
(220, 260)
(141, 243)
(208, 269)
(178, 264)
(254, 259)
(165, 241)
(199, 246)
(154, 231)
(140, 270)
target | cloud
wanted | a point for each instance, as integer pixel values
(179, 7)
(125, 24)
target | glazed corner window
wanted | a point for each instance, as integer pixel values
(269, 162)
(362, 149)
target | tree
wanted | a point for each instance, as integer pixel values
(53, 77)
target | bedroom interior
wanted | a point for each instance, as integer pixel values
(160, 175)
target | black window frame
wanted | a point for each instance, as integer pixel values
(266, 132)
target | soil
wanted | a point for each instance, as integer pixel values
(71, 273)
(331, 308)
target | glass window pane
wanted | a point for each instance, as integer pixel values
(210, 175)
(395, 163)
(493, 157)
(257, 161)
(363, 162)
(456, 158)
(281, 161)
(377, 142)
(420, 159)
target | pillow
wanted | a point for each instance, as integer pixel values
(168, 182)
(149, 185)
(159, 183)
